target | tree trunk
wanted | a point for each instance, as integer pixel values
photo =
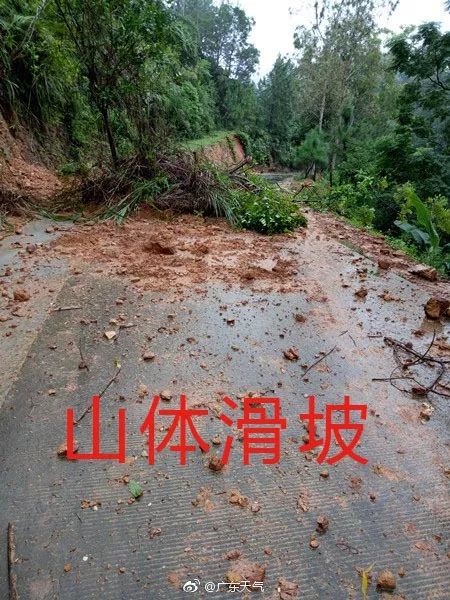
(332, 166)
(322, 111)
(109, 134)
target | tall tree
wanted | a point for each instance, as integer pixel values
(279, 98)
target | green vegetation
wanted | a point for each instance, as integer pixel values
(266, 209)
(207, 140)
(106, 82)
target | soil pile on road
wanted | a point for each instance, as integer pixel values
(161, 254)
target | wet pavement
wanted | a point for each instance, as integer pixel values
(392, 513)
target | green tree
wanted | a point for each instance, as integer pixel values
(279, 98)
(313, 152)
(118, 43)
(418, 150)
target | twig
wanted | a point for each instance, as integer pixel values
(12, 577)
(110, 382)
(421, 358)
(392, 342)
(83, 364)
(62, 308)
(319, 360)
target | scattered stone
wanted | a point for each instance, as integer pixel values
(148, 356)
(203, 499)
(291, 354)
(233, 554)
(287, 590)
(436, 308)
(215, 463)
(361, 293)
(427, 411)
(322, 523)
(303, 502)
(425, 272)
(21, 295)
(386, 580)
(31, 248)
(67, 568)
(324, 474)
(142, 390)
(166, 395)
(300, 318)
(314, 544)
(244, 570)
(62, 449)
(235, 497)
(110, 335)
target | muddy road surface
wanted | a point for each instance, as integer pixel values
(188, 306)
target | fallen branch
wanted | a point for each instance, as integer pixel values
(63, 308)
(12, 577)
(110, 382)
(422, 389)
(406, 348)
(319, 360)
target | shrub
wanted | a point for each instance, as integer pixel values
(267, 211)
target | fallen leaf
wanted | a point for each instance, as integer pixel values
(135, 489)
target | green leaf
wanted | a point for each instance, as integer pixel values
(135, 489)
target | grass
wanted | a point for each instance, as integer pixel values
(204, 142)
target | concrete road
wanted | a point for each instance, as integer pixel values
(79, 535)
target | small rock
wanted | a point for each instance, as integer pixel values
(322, 523)
(67, 567)
(436, 308)
(386, 580)
(361, 293)
(324, 474)
(427, 411)
(142, 390)
(148, 356)
(166, 395)
(62, 449)
(291, 354)
(110, 335)
(300, 318)
(21, 295)
(215, 463)
(425, 272)
(287, 590)
(31, 248)
(314, 544)
(233, 555)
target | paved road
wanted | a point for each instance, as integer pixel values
(392, 513)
